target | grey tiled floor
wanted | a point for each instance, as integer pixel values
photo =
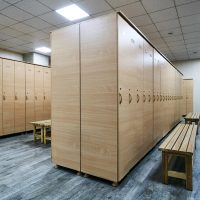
(26, 172)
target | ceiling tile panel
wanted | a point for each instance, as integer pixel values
(174, 38)
(170, 24)
(11, 32)
(17, 41)
(155, 5)
(16, 13)
(33, 7)
(4, 36)
(23, 28)
(148, 29)
(12, 1)
(141, 20)
(189, 9)
(37, 23)
(118, 3)
(94, 6)
(192, 35)
(164, 15)
(3, 4)
(6, 21)
(191, 28)
(171, 32)
(189, 20)
(180, 2)
(133, 10)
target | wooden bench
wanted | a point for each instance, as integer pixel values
(181, 143)
(40, 130)
(192, 117)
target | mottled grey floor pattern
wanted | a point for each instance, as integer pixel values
(26, 172)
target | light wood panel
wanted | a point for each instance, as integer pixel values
(8, 97)
(189, 97)
(47, 93)
(184, 100)
(39, 93)
(99, 97)
(130, 136)
(148, 138)
(19, 97)
(66, 97)
(30, 103)
(1, 91)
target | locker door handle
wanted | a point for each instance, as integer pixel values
(26, 97)
(149, 98)
(154, 98)
(120, 98)
(130, 98)
(144, 98)
(160, 97)
(15, 97)
(138, 98)
(35, 97)
(157, 97)
(4, 97)
(44, 97)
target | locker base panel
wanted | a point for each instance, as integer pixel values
(36, 177)
(12, 134)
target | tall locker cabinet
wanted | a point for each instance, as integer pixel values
(1, 91)
(47, 93)
(30, 104)
(19, 97)
(39, 94)
(8, 97)
(102, 97)
(66, 97)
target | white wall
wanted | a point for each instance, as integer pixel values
(10, 55)
(191, 69)
(40, 59)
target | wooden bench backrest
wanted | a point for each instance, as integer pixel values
(181, 139)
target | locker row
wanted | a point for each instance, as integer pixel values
(24, 95)
(114, 96)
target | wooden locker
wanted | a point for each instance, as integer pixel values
(8, 97)
(99, 97)
(189, 95)
(47, 93)
(39, 93)
(148, 138)
(129, 47)
(183, 101)
(157, 87)
(1, 91)
(30, 103)
(66, 97)
(19, 97)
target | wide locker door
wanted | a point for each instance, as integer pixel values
(130, 139)
(99, 97)
(39, 94)
(47, 93)
(189, 97)
(8, 97)
(148, 93)
(157, 87)
(1, 91)
(19, 97)
(30, 104)
(66, 97)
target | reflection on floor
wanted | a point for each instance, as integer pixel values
(26, 172)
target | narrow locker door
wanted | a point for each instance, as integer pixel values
(130, 139)
(30, 107)
(99, 97)
(39, 94)
(47, 92)
(8, 97)
(66, 97)
(189, 96)
(19, 97)
(1, 90)
(148, 92)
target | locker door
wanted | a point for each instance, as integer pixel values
(30, 108)
(157, 87)
(183, 107)
(66, 97)
(189, 98)
(148, 92)
(19, 97)
(1, 90)
(47, 93)
(8, 97)
(130, 139)
(39, 94)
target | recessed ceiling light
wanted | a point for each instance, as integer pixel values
(72, 12)
(43, 49)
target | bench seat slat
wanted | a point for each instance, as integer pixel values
(180, 139)
(175, 138)
(167, 140)
(191, 144)
(186, 139)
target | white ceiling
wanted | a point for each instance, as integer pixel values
(26, 24)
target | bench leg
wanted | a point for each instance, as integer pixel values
(34, 133)
(165, 167)
(45, 133)
(42, 135)
(188, 166)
